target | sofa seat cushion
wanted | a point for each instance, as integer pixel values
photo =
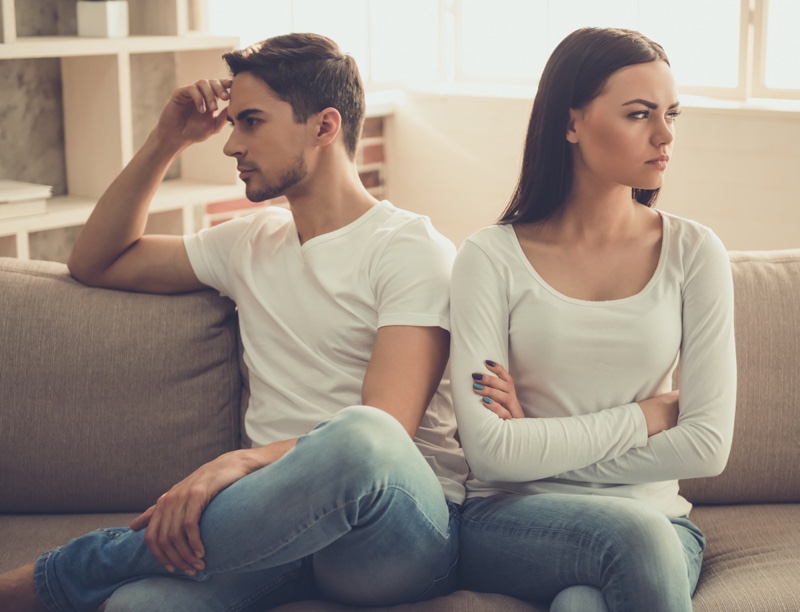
(109, 397)
(751, 561)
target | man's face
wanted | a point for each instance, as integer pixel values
(269, 146)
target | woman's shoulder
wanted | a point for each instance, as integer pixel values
(690, 239)
(492, 237)
(492, 245)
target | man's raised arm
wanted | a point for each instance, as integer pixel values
(111, 250)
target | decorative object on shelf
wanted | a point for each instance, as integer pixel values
(19, 199)
(103, 18)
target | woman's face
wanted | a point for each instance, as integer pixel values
(624, 136)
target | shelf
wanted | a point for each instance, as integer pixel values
(67, 211)
(72, 46)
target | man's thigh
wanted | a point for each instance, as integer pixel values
(409, 555)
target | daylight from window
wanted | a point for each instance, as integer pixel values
(508, 41)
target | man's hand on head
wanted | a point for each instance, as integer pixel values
(193, 112)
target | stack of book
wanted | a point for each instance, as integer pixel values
(19, 199)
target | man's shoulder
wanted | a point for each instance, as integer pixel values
(397, 227)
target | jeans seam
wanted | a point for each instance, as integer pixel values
(332, 510)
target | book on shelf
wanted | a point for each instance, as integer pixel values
(18, 199)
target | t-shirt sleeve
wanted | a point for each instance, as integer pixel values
(412, 277)
(700, 443)
(210, 251)
(525, 449)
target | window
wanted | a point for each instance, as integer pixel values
(777, 48)
(721, 48)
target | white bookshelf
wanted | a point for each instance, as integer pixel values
(99, 97)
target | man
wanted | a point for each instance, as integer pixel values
(343, 311)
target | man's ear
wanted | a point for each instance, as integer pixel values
(328, 124)
(572, 134)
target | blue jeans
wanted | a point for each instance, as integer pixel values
(580, 552)
(353, 514)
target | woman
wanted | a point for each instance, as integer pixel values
(588, 296)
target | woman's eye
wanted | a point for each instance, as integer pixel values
(673, 115)
(639, 115)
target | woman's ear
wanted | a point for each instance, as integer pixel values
(572, 134)
(327, 126)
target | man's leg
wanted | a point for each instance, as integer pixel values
(534, 547)
(357, 475)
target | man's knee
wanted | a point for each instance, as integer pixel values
(362, 434)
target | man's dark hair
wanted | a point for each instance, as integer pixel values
(310, 73)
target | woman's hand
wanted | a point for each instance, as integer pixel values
(660, 412)
(498, 391)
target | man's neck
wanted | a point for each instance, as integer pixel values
(329, 201)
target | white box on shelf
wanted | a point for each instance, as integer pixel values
(23, 208)
(15, 191)
(18, 199)
(103, 18)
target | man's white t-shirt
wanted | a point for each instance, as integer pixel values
(309, 313)
(580, 367)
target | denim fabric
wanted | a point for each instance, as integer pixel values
(353, 514)
(541, 547)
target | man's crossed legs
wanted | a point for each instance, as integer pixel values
(353, 513)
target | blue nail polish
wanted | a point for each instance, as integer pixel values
(477, 386)
(491, 364)
(487, 400)
(477, 376)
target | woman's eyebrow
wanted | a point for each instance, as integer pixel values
(648, 104)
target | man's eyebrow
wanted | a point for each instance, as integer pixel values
(245, 114)
(650, 105)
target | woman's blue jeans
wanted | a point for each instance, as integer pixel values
(353, 513)
(580, 552)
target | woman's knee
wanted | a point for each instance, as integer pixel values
(580, 598)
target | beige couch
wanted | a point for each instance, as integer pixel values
(107, 398)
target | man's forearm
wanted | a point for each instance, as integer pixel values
(119, 218)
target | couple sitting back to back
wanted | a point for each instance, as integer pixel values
(357, 489)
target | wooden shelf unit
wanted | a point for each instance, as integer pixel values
(99, 97)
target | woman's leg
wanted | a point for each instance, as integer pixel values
(534, 547)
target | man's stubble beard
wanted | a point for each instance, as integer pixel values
(293, 175)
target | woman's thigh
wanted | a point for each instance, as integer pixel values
(534, 547)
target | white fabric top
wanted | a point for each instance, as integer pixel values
(308, 316)
(580, 366)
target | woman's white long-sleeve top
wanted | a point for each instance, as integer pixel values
(580, 367)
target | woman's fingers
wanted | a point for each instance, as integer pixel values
(498, 391)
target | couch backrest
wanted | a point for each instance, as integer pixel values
(764, 464)
(108, 398)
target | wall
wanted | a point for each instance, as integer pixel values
(456, 158)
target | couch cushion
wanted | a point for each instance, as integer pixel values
(108, 397)
(763, 465)
(752, 561)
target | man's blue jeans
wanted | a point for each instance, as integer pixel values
(580, 552)
(353, 513)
